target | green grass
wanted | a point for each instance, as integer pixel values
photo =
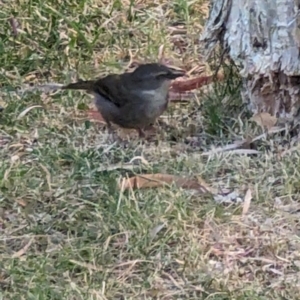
(66, 229)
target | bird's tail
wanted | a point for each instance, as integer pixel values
(50, 87)
(80, 85)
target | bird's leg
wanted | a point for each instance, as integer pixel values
(141, 133)
(111, 132)
(109, 127)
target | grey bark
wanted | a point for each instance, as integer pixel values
(263, 39)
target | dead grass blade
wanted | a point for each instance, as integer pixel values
(247, 202)
(24, 112)
(234, 148)
(160, 180)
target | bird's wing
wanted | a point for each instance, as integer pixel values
(113, 88)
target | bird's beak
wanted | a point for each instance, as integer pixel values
(175, 73)
(172, 73)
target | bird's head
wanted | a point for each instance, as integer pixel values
(156, 71)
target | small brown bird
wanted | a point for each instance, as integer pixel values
(131, 100)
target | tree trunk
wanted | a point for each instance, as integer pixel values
(262, 38)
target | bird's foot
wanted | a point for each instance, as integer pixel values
(141, 133)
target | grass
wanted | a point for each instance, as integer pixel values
(68, 232)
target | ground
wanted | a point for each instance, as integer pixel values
(69, 232)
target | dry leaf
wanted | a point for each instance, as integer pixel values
(159, 180)
(264, 119)
(95, 116)
(22, 202)
(23, 250)
(194, 83)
